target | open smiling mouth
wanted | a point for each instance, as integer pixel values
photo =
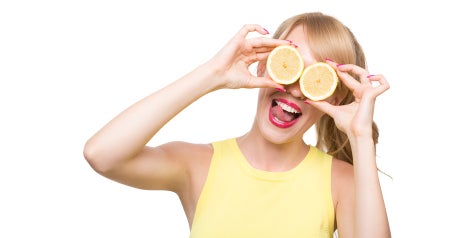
(283, 113)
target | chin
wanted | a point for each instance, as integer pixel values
(278, 135)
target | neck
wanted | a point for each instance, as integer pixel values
(265, 155)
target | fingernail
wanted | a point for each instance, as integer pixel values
(369, 76)
(307, 101)
(339, 65)
(280, 89)
(290, 42)
(328, 59)
(267, 32)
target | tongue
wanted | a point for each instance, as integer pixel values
(281, 114)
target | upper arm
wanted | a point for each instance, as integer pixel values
(343, 197)
(165, 167)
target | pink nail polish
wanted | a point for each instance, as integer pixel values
(328, 59)
(267, 32)
(369, 76)
(280, 89)
(339, 65)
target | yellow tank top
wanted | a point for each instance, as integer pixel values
(240, 201)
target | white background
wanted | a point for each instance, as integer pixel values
(68, 67)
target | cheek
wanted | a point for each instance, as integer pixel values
(263, 93)
(263, 98)
(314, 115)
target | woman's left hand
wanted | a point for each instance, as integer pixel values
(356, 118)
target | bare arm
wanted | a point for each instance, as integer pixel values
(371, 219)
(363, 213)
(119, 151)
(125, 136)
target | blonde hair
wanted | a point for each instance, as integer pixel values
(329, 38)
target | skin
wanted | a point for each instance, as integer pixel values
(118, 150)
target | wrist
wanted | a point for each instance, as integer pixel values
(208, 78)
(361, 139)
(356, 139)
(360, 134)
(363, 149)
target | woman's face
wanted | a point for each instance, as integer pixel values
(284, 116)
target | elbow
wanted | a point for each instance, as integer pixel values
(97, 159)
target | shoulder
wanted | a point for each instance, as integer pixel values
(182, 147)
(342, 169)
(189, 162)
(194, 158)
(342, 179)
(187, 153)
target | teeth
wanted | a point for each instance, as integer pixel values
(286, 107)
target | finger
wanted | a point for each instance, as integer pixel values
(346, 78)
(262, 56)
(246, 29)
(264, 82)
(263, 50)
(351, 68)
(256, 57)
(261, 53)
(331, 63)
(381, 80)
(357, 70)
(323, 106)
(264, 42)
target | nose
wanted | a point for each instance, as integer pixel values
(294, 90)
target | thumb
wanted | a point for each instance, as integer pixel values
(323, 106)
(264, 82)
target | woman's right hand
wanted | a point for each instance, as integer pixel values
(231, 64)
(119, 150)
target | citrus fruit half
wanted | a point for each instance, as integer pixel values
(318, 81)
(285, 64)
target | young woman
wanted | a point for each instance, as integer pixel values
(267, 182)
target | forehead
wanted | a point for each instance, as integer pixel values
(299, 36)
